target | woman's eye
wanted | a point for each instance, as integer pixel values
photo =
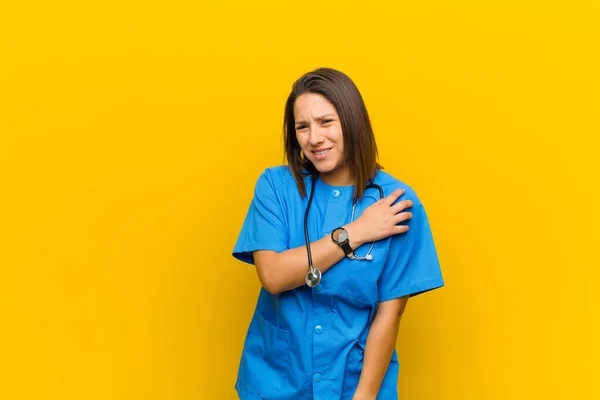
(300, 127)
(326, 121)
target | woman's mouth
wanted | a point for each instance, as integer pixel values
(320, 154)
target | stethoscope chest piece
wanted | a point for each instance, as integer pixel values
(313, 277)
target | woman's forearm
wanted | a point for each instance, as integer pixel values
(283, 271)
(379, 348)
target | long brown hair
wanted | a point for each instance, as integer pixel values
(360, 149)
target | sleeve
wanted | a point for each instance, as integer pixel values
(412, 265)
(265, 226)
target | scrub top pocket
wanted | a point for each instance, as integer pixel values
(263, 368)
(362, 276)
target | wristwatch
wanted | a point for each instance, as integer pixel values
(340, 237)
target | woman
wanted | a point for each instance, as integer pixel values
(333, 337)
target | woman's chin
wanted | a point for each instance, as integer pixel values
(325, 170)
(323, 167)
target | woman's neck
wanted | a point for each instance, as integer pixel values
(338, 178)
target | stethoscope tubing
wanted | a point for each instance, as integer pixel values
(313, 277)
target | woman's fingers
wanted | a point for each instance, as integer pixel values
(401, 217)
(401, 205)
(399, 229)
(392, 197)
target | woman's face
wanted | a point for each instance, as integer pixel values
(319, 133)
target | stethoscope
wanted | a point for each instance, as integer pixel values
(313, 276)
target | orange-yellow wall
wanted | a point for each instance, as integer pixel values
(131, 136)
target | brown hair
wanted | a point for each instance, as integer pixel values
(360, 149)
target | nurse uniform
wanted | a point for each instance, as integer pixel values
(309, 343)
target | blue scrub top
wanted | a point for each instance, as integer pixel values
(309, 343)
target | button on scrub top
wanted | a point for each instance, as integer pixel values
(309, 343)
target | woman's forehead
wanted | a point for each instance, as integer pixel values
(313, 105)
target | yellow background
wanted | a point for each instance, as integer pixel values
(131, 137)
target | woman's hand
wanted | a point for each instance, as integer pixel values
(381, 219)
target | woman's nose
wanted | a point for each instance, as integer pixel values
(316, 136)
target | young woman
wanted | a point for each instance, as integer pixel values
(339, 246)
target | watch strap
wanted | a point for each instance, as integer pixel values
(345, 244)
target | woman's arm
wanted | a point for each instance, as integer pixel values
(380, 346)
(283, 271)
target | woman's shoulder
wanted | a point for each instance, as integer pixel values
(278, 176)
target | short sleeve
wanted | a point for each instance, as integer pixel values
(412, 265)
(265, 226)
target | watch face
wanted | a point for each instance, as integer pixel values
(343, 236)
